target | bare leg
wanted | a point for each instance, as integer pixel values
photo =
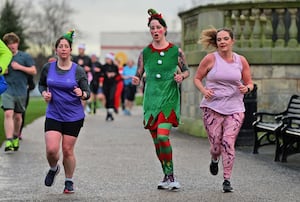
(9, 123)
(69, 160)
(17, 123)
(52, 139)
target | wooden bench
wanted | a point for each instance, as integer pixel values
(268, 126)
(290, 132)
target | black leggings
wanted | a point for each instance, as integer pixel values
(109, 92)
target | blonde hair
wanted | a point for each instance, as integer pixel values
(208, 38)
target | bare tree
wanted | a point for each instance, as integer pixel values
(51, 20)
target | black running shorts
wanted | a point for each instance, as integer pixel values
(66, 128)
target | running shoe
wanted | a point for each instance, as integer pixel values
(173, 184)
(9, 147)
(50, 177)
(109, 117)
(164, 184)
(227, 186)
(16, 143)
(127, 112)
(213, 167)
(69, 187)
(88, 109)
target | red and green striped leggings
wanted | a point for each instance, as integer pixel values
(163, 146)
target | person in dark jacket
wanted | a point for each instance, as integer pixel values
(110, 71)
(96, 83)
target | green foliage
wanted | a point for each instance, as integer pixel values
(10, 21)
(36, 108)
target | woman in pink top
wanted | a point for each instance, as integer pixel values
(227, 78)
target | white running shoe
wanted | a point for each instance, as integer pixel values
(164, 184)
(87, 109)
(174, 186)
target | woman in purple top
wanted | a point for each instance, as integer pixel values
(63, 84)
(227, 78)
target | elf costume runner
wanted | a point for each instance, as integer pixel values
(164, 66)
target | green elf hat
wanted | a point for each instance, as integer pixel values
(158, 16)
(69, 35)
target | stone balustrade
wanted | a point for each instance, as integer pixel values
(263, 27)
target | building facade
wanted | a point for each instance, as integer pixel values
(128, 45)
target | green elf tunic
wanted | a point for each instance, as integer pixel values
(161, 96)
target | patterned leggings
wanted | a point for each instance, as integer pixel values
(222, 132)
(163, 146)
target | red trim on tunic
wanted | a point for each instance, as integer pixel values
(160, 50)
(162, 119)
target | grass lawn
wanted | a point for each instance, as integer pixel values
(36, 108)
(139, 99)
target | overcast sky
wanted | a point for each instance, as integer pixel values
(96, 16)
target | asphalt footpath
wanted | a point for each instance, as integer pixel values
(116, 162)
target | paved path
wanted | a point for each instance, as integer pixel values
(116, 162)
